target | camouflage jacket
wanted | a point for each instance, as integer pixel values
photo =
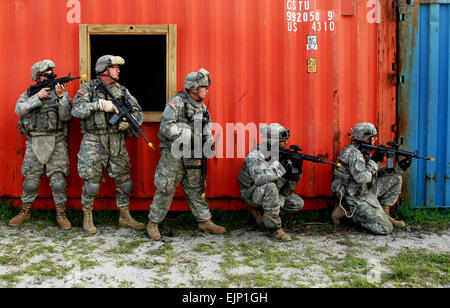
(86, 107)
(356, 174)
(180, 116)
(43, 117)
(257, 171)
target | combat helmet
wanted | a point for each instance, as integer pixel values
(105, 61)
(274, 133)
(41, 67)
(197, 79)
(363, 131)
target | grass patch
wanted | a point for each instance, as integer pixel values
(254, 280)
(432, 219)
(127, 246)
(47, 269)
(176, 223)
(419, 268)
(11, 278)
(206, 248)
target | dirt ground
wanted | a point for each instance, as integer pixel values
(46, 257)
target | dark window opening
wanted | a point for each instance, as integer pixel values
(144, 72)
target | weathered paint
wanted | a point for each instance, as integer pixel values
(259, 72)
(424, 98)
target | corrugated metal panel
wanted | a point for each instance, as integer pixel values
(424, 99)
(259, 72)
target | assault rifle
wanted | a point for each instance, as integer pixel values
(203, 170)
(391, 151)
(204, 160)
(293, 154)
(125, 111)
(51, 83)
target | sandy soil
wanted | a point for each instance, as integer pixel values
(33, 256)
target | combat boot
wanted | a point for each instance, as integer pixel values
(280, 234)
(126, 221)
(153, 231)
(257, 216)
(337, 214)
(61, 218)
(23, 216)
(211, 227)
(395, 223)
(88, 224)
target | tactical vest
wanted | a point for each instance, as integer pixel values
(98, 121)
(43, 120)
(190, 111)
(343, 181)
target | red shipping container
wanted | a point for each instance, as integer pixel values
(299, 63)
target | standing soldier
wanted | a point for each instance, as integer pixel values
(368, 189)
(45, 122)
(103, 145)
(265, 184)
(180, 116)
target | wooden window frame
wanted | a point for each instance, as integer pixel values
(170, 31)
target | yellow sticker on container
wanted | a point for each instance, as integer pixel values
(311, 65)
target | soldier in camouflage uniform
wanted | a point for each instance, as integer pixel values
(45, 122)
(265, 184)
(366, 188)
(182, 113)
(103, 145)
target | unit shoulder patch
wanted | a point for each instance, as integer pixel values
(173, 106)
(360, 164)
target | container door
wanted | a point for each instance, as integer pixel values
(424, 96)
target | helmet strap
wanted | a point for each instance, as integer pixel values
(108, 75)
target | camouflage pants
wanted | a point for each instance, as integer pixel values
(94, 156)
(268, 198)
(368, 209)
(170, 172)
(56, 169)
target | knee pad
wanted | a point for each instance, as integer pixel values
(58, 186)
(127, 187)
(92, 188)
(294, 202)
(30, 186)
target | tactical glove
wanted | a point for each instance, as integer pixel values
(124, 125)
(378, 156)
(107, 106)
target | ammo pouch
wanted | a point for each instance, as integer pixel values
(244, 177)
(99, 123)
(351, 187)
(41, 120)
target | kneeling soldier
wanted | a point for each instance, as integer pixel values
(368, 189)
(265, 184)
